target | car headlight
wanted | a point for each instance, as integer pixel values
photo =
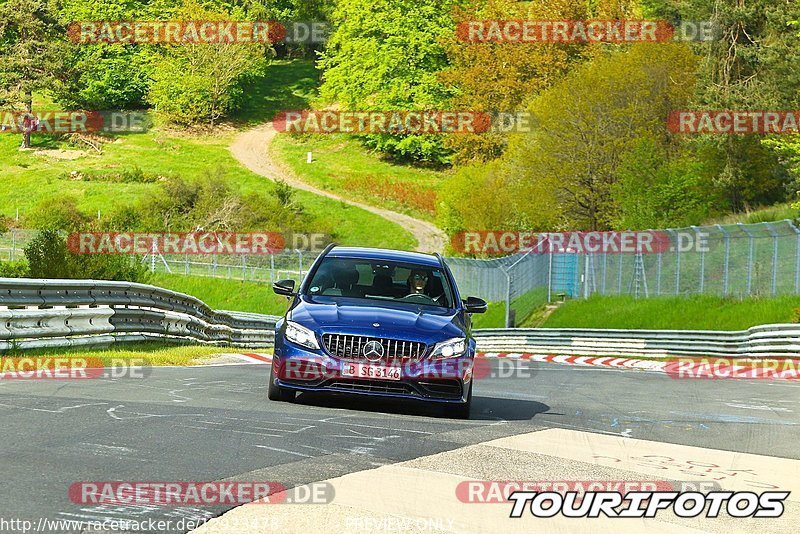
(301, 335)
(451, 348)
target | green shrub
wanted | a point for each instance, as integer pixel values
(57, 213)
(133, 175)
(14, 269)
(49, 257)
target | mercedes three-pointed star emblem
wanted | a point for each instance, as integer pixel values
(373, 351)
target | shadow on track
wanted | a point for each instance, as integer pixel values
(483, 408)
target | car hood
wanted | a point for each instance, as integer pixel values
(395, 320)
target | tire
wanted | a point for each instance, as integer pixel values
(276, 393)
(461, 411)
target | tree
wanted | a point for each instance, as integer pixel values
(485, 197)
(503, 76)
(751, 64)
(654, 189)
(31, 42)
(104, 75)
(587, 122)
(386, 55)
(194, 83)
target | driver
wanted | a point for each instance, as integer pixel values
(417, 281)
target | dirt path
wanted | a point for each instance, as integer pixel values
(252, 149)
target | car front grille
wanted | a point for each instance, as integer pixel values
(351, 347)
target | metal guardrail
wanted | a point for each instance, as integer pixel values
(53, 313)
(782, 340)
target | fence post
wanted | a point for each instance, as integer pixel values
(796, 259)
(508, 298)
(749, 258)
(603, 284)
(726, 264)
(300, 259)
(619, 275)
(586, 274)
(702, 260)
(774, 234)
(658, 274)
(550, 276)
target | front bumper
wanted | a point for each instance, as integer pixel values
(439, 381)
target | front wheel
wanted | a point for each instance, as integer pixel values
(461, 411)
(275, 392)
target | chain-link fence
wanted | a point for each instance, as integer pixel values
(727, 260)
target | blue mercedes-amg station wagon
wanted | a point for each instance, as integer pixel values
(376, 322)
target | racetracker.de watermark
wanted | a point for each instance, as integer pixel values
(192, 243)
(66, 122)
(397, 369)
(70, 368)
(397, 122)
(728, 122)
(623, 242)
(198, 493)
(583, 31)
(192, 32)
(713, 368)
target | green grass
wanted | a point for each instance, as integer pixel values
(692, 313)
(154, 353)
(778, 212)
(526, 309)
(223, 294)
(287, 85)
(341, 164)
(495, 316)
(28, 178)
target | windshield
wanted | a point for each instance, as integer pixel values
(381, 280)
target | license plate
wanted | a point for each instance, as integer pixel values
(362, 370)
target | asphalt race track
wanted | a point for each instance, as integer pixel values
(215, 423)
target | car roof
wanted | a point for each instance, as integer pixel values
(381, 254)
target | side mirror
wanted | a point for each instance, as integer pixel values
(284, 287)
(475, 305)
